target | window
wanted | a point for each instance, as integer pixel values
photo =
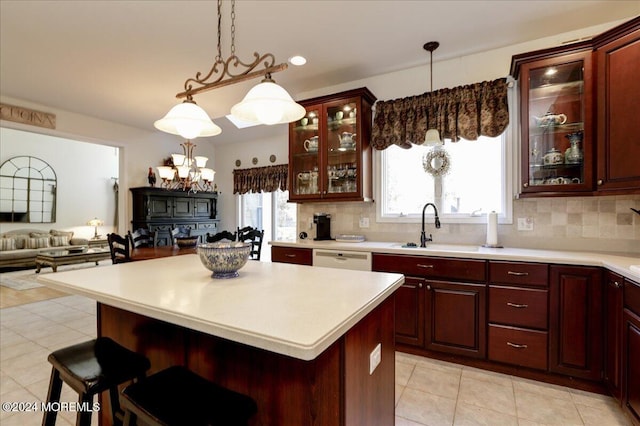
(477, 182)
(269, 211)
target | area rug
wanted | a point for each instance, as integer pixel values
(27, 279)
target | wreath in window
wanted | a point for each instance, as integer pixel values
(436, 162)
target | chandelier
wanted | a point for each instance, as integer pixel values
(192, 175)
(266, 103)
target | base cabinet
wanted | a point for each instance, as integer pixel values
(409, 304)
(456, 318)
(299, 256)
(576, 317)
(631, 351)
(613, 333)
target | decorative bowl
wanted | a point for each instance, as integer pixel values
(186, 242)
(224, 259)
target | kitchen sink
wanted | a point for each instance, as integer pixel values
(440, 247)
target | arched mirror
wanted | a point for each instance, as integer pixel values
(28, 188)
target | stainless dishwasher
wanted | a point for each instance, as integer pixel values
(356, 260)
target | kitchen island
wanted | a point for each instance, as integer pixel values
(297, 339)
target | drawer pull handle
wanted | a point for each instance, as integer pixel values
(420, 265)
(516, 345)
(290, 255)
(517, 305)
(518, 274)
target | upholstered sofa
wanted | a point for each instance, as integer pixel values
(21, 246)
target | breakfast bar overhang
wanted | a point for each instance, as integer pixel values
(297, 339)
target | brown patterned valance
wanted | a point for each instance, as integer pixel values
(260, 179)
(470, 111)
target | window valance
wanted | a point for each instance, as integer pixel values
(469, 111)
(260, 179)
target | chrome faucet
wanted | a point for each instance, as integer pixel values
(423, 236)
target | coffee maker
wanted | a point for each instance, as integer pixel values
(323, 226)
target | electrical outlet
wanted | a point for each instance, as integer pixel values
(364, 222)
(374, 358)
(525, 224)
(310, 223)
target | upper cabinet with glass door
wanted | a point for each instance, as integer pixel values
(556, 120)
(329, 151)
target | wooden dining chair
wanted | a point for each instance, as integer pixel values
(255, 236)
(120, 248)
(179, 232)
(222, 235)
(142, 237)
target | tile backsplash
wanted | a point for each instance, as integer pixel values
(602, 224)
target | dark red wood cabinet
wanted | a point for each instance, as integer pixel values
(442, 306)
(631, 350)
(576, 321)
(613, 333)
(409, 304)
(617, 58)
(456, 318)
(299, 256)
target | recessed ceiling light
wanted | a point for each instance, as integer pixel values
(298, 60)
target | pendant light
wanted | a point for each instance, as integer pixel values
(432, 137)
(188, 120)
(266, 103)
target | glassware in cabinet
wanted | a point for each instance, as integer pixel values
(304, 142)
(342, 126)
(556, 123)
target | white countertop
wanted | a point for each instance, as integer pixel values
(620, 264)
(288, 309)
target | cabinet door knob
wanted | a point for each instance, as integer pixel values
(428, 286)
(517, 305)
(420, 285)
(616, 284)
(518, 274)
(516, 345)
(600, 181)
(526, 185)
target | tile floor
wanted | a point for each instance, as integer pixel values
(428, 392)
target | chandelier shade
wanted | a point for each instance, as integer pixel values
(268, 103)
(432, 137)
(188, 120)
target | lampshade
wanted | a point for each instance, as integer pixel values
(200, 161)
(178, 159)
(166, 172)
(95, 222)
(207, 174)
(432, 138)
(268, 103)
(187, 120)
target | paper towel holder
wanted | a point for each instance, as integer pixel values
(492, 223)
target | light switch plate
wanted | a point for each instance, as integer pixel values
(374, 358)
(364, 222)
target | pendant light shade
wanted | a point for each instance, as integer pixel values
(432, 137)
(188, 120)
(268, 103)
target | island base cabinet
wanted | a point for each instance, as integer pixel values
(336, 388)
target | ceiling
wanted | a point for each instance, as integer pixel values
(124, 61)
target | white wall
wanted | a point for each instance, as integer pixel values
(84, 185)
(139, 148)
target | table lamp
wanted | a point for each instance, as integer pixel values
(95, 222)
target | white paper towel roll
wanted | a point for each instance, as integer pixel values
(492, 229)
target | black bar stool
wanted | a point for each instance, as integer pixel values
(177, 397)
(90, 368)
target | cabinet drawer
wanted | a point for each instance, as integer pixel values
(632, 296)
(300, 256)
(523, 307)
(519, 273)
(432, 267)
(518, 346)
